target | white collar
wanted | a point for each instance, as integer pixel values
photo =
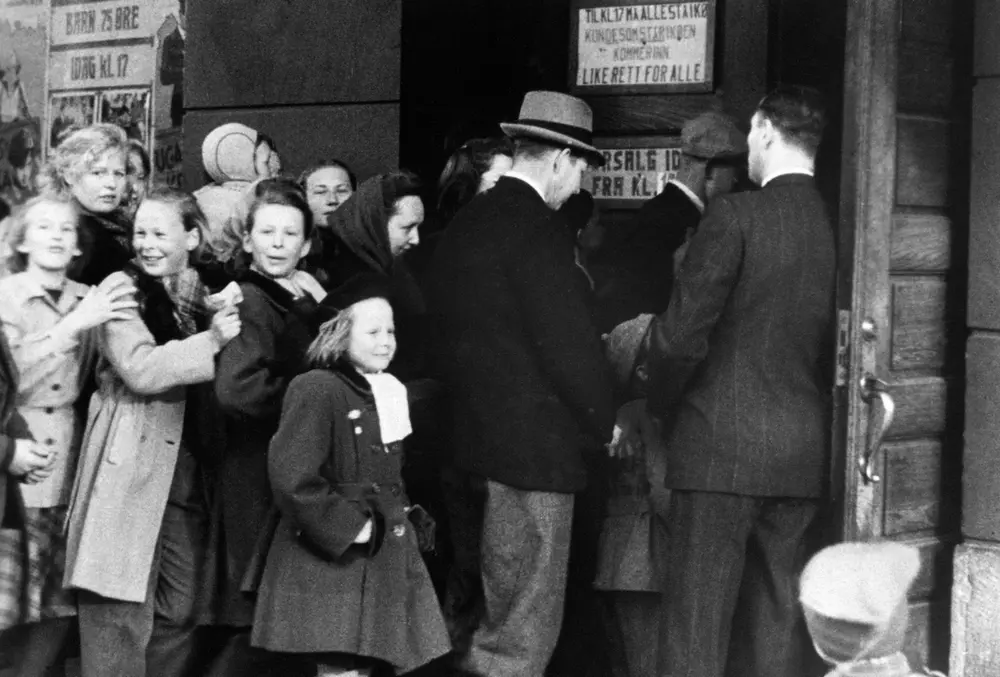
(528, 180)
(690, 193)
(782, 172)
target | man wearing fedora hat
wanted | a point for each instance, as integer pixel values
(738, 371)
(528, 379)
(640, 253)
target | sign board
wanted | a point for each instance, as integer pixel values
(635, 169)
(617, 46)
(127, 65)
(99, 21)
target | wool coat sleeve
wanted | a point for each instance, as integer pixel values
(679, 338)
(249, 384)
(149, 369)
(549, 290)
(298, 451)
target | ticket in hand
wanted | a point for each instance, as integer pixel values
(230, 296)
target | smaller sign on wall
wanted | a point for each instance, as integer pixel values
(626, 48)
(91, 67)
(168, 164)
(99, 21)
(635, 169)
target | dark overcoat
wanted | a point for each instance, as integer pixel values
(254, 371)
(320, 592)
(635, 273)
(518, 348)
(740, 364)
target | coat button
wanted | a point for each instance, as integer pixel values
(357, 430)
(399, 530)
(142, 438)
(376, 448)
(395, 489)
(375, 487)
(49, 410)
(49, 441)
(56, 386)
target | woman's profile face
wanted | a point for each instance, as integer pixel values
(404, 224)
(499, 165)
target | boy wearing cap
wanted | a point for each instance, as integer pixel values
(642, 252)
(736, 375)
(854, 597)
(527, 376)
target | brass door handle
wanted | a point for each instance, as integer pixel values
(872, 389)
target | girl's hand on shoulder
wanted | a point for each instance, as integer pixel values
(226, 325)
(29, 457)
(107, 301)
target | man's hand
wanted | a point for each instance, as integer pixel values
(632, 427)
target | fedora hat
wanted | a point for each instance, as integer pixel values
(559, 119)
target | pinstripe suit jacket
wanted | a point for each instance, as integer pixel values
(738, 363)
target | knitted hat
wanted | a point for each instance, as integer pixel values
(622, 346)
(854, 596)
(713, 136)
(228, 153)
(357, 288)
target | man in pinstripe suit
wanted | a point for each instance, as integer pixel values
(737, 378)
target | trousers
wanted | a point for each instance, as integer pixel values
(524, 557)
(730, 599)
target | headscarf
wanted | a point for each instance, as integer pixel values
(361, 224)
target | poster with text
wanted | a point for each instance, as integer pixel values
(69, 112)
(635, 170)
(619, 47)
(129, 109)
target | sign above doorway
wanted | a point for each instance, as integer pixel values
(618, 47)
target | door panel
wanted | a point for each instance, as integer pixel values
(903, 297)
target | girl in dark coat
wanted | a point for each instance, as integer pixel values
(344, 581)
(279, 314)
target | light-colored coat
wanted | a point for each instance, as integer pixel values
(52, 372)
(134, 428)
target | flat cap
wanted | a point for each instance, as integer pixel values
(712, 136)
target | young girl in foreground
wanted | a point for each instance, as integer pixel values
(344, 580)
(47, 320)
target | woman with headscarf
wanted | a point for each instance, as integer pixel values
(234, 157)
(370, 232)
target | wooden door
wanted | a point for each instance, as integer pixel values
(903, 225)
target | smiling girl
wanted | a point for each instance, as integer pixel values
(344, 582)
(47, 320)
(90, 166)
(279, 314)
(136, 517)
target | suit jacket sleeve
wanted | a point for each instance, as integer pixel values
(298, 451)
(679, 338)
(148, 368)
(17, 429)
(549, 290)
(249, 382)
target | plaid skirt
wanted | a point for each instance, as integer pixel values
(46, 597)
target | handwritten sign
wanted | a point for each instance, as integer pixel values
(629, 48)
(115, 66)
(635, 170)
(99, 21)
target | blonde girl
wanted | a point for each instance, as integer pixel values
(48, 320)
